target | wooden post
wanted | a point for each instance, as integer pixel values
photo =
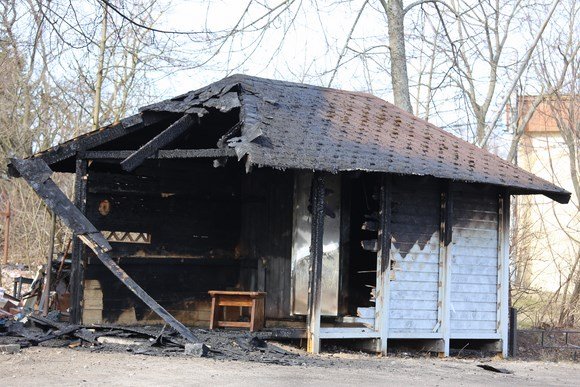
(383, 264)
(48, 276)
(445, 245)
(76, 280)
(315, 280)
(503, 257)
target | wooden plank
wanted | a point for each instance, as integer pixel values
(402, 296)
(223, 293)
(101, 136)
(481, 261)
(175, 130)
(417, 267)
(483, 279)
(474, 269)
(412, 325)
(417, 257)
(417, 304)
(412, 286)
(416, 334)
(348, 333)
(224, 301)
(474, 289)
(469, 334)
(474, 315)
(474, 326)
(233, 324)
(413, 314)
(413, 276)
(76, 279)
(37, 174)
(162, 154)
(503, 269)
(473, 297)
(445, 253)
(383, 281)
(315, 280)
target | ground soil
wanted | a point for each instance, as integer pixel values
(64, 366)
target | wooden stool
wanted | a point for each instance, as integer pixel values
(253, 300)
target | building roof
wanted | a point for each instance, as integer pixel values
(291, 125)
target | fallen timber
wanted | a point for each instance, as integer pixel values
(38, 175)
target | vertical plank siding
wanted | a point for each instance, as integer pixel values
(474, 263)
(414, 275)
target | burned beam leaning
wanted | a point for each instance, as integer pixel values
(162, 139)
(38, 175)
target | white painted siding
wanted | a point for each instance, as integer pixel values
(414, 285)
(474, 263)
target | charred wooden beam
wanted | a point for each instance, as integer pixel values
(76, 279)
(162, 154)
(383, 284)
(503, 242)
(445, 254)
(37, 175)
(162, 139)
(448, 221)
(315, 280)
(103, 135)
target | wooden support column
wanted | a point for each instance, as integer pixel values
(383, 264)
(503, 260)
(445, 246)
(77, 275)
(315, 279)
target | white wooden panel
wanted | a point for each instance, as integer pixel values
(468, 297)
(477, 234)
(401, 275)
(405, 248)
(475, 269)
(476, 243)
(475, 289)
(469, 334)
(412, 314)
(459, 260)
(411, 325)
(474, 326)
(475, 278)
(397, 304)
(475, 306)
(414, 285)
(416, 257)
(347, 333)
(474, 315)
(467, 251)
(420, 267)
(402, 296)
(474, 264)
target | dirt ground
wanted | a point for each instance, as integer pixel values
(73, 367)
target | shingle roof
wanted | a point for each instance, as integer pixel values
(291, 125)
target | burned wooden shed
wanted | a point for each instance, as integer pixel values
(359, 220)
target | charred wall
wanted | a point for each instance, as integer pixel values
(208, 228)
(266, 236)
(190, 212)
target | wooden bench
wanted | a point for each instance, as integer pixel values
(252, 300)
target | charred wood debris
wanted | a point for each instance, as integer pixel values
(22, 325)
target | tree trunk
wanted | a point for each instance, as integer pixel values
(399, 77)
(99, 80)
